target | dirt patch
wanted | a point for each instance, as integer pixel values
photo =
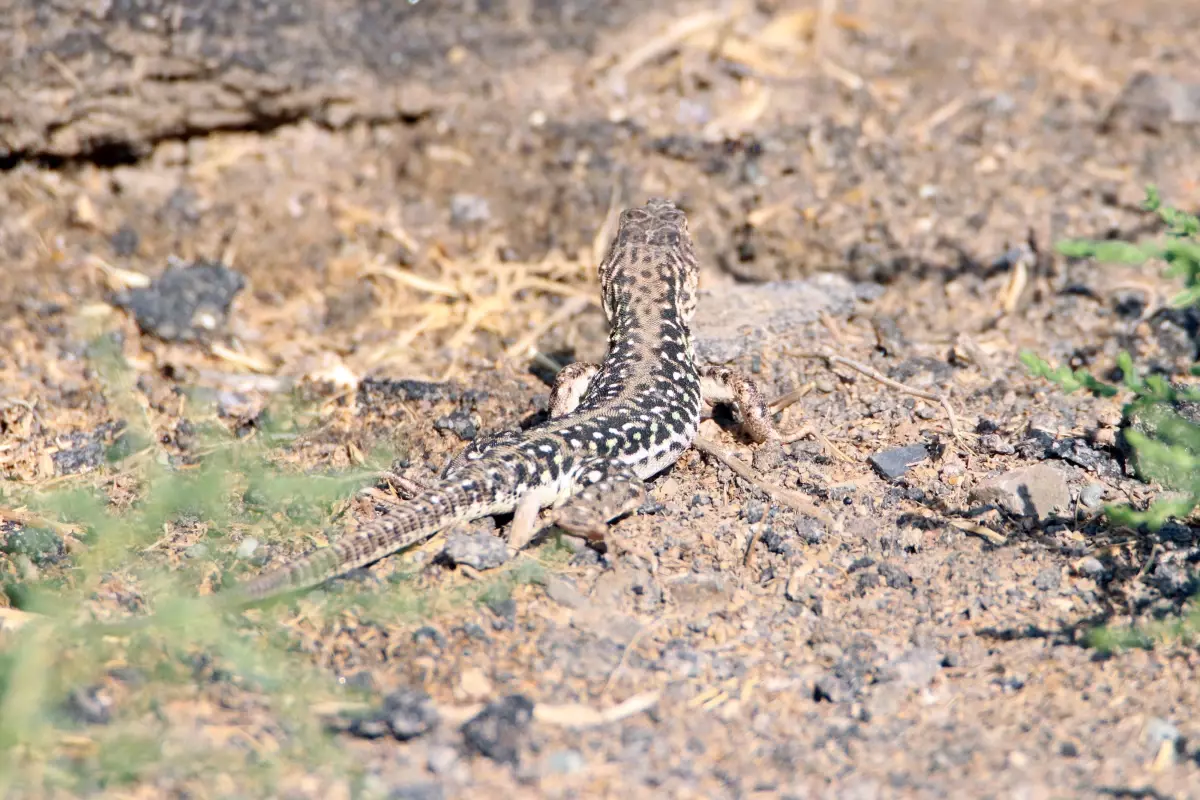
(903, 642)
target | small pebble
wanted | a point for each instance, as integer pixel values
(247, 547)
(753, 511)
(840, 491)
(124, 241)
(440, 759)
(1090, 566)
(565, 762)
(1159, 730)
(469, 208)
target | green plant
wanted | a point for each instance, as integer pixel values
(1161, 419)
(75, 632)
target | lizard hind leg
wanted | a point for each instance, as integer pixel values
(607, 490)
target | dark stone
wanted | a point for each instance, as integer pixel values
(895, 577)
(868, 581)
(186, 303)
(39, 545)
(776, 544)
(404, 714)
(459, 422)
(428, 633)
(89, 706)
(499, 730)
(831, 688)
(85, 456)
(892, 464)
(409, 713)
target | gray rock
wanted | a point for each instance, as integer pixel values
(916, 668)
(1092, 496)
(564, 593)
(198, 550)
(1091, 567)
(1153, 102)
(247, 547)
(1039, 491)
(409, 713)
(749, 314)
(833, 689)
(893, 463)
(417, 791)
(1048, 579)
(478, 550)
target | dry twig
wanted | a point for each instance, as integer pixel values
(746, 473)
(876, 375)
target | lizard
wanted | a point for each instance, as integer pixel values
(610, 427)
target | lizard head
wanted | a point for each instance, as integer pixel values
(650, 264)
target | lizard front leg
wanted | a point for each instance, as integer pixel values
(570, 385)
(734, 387)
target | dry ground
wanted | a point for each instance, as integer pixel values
(888, 644)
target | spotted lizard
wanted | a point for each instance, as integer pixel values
(611, 426)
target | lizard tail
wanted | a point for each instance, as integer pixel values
(413, 522)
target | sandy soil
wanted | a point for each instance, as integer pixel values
(892, 638)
